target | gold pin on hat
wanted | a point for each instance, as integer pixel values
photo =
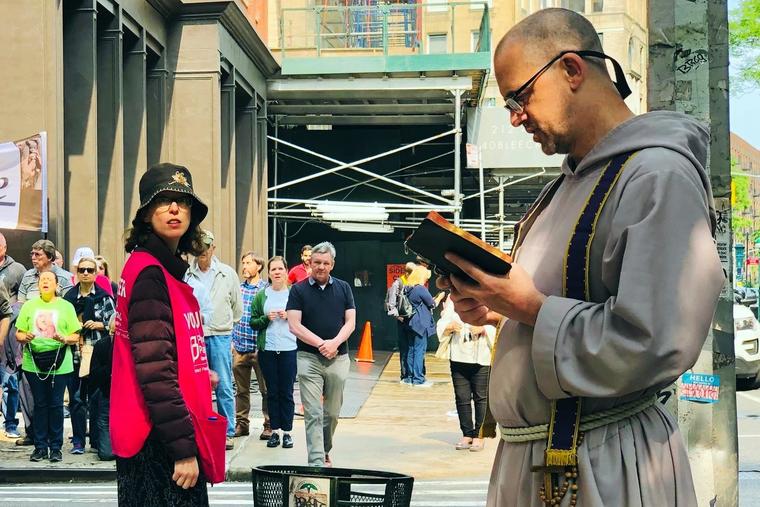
(180, 178)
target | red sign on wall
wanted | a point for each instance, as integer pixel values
(393, 271)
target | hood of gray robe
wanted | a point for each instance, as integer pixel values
(665, 129)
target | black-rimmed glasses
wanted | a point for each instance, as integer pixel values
(514, 101)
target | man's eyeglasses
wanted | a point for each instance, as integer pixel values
(163, 203)
(90, 271)
(515, 101)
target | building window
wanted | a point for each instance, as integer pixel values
(545, 4)
(631, 50)
(574, 5)
(601, 38)
(598, 6)
(437, 6)
(478, 4)
(437, 43)
(474, 38)
(524, 7)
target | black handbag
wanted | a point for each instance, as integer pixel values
(48, 361)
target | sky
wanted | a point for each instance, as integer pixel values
(745, 109)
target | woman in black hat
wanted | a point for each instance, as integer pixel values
(160, 419)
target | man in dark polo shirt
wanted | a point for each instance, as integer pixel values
(322, 314)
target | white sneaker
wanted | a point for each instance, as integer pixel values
(424, 384)
(12, 434)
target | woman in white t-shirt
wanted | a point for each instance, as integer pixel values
(469, 352)
(277, 350)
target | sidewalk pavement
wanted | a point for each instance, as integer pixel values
(400, 428)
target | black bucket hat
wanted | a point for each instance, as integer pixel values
(167, 177)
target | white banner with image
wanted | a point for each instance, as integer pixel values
(23, 184)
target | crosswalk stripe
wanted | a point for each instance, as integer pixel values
(458, 503)
(430, 493)
(244, 492)
(46, 500)
(246, 501)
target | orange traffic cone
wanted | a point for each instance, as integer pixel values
(365, 347)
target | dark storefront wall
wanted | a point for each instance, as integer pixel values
(362, 252)
(356, 252)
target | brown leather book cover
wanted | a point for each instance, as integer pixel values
(435, 236)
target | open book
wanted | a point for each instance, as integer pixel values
(435, 236)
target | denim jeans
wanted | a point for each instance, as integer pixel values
(319, 377)
(470, 386)
(403, 348)
(415, 359)
(78, 403)
(219, 353)
(9, 381)
(100, 436)
(48, 409)
(279, 370)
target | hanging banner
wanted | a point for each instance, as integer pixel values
(23, 184)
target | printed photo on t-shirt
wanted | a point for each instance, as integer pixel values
(45, 322)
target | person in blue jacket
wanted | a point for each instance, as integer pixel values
(419, 327)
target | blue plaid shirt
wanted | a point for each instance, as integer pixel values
(243, 337)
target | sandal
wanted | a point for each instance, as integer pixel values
(463, 444)
(477, 445)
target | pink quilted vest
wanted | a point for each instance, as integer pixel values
(130, 422)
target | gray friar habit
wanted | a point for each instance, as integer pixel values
(653, 282)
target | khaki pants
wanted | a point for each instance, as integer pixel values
(319, 377)
(241, 369)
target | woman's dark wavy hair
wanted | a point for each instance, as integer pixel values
(138, 234)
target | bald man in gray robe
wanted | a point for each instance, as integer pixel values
(654, 277)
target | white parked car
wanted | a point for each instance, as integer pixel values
(746, 347)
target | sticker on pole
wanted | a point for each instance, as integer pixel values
(309, 492)
(700, 387)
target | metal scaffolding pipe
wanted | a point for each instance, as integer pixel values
(509, 183)
(481, 179)
(358, 182)
(274, 219)
(352, 165)
(501, 212)
(457, 155)
(357, 203)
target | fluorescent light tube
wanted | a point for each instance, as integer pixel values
(343, 216)
(358, 227)
(354, 209)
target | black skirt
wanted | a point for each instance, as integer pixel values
(145, 480)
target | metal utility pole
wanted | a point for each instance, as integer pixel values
(688, 72)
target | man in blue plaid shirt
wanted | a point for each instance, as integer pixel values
(244, 353)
